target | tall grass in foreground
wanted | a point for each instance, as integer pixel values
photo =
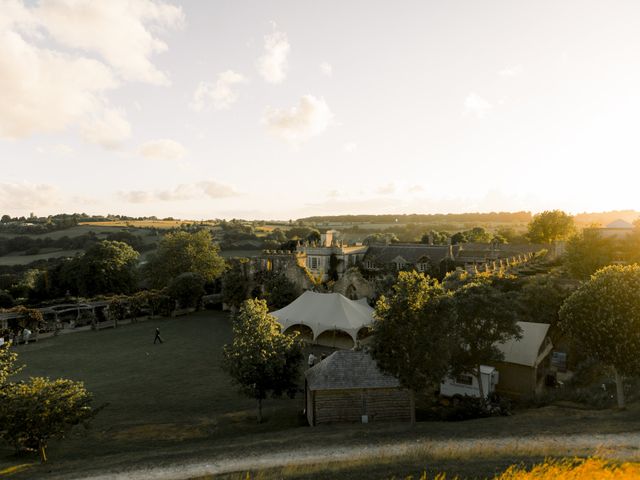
(574, 469)
(566, 469)
(561, 469)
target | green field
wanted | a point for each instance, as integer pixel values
(171, 404)
(156, 394)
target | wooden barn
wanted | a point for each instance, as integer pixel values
(526, 362)
(347, 386)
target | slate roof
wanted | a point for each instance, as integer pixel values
(348, 369)
(620, 224)
(412, 253)
(473, 250)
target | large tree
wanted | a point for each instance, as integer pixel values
(603, 316)
(106, 267)
(485, 317)
(588, 252)
(549, 226)
(279, 291)
(413, 332)
(262, 360)
(181, 252)
(187, 288)
(39, 409)
(236, 284)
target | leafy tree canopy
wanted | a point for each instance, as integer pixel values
(485, 317)
(181, 252)
(187, 288)
(413, 332)
(603, 316)
(262, 360)
(549, 226)
(39, 409)
(106, 267)
(8, 366)
(588, 252)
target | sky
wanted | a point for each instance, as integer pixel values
(285, 109)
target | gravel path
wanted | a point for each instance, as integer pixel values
(619, 446)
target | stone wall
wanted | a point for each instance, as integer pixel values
(353, 285)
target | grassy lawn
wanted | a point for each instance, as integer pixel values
(155, 394)
(20, 259)
(171, 404)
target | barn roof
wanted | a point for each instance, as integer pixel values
(526, 350)
(620, 224)
(348, 369)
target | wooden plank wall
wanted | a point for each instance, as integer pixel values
(380, 404)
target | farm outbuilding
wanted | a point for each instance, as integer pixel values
(522, 372)
(328, 319)
(348, 386)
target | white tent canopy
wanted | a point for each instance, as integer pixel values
(325, 312)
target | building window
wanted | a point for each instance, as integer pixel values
(314, 263)
(464, 380)
(368, 265)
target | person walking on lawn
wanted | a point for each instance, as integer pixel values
(158, 337)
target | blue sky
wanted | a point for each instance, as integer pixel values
(285, 109)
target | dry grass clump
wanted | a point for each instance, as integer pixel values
(574, 469)
(565, 469)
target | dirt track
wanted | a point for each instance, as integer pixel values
(619, 446)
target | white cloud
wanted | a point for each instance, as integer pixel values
(387, 189)
(185, 191)
(163, 149)
(109, 130)
(219, 93)
(476, 106)
(309, 118)
(416, 189)
(350, 147)
(136, 196)
(511, 71)
(59, 149)
(45, 91)
(49, 89)
(216, 190)
(273, 64)
(120, 31)
(326, 69)
(27, 196)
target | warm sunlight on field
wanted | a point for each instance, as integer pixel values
(574, 469)
(567, 469)
(139, 223)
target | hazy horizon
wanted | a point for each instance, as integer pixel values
(291, 109)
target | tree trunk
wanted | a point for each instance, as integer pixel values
(259, 410)
(480, 387)
(619, 390)
(43, 453)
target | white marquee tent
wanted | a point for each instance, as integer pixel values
(326, 312)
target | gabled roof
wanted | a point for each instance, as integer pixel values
(326, 312)
(620, 224)
(348, 369)
(526, 350)
(385, 254)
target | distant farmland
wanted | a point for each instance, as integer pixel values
(163, 224)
